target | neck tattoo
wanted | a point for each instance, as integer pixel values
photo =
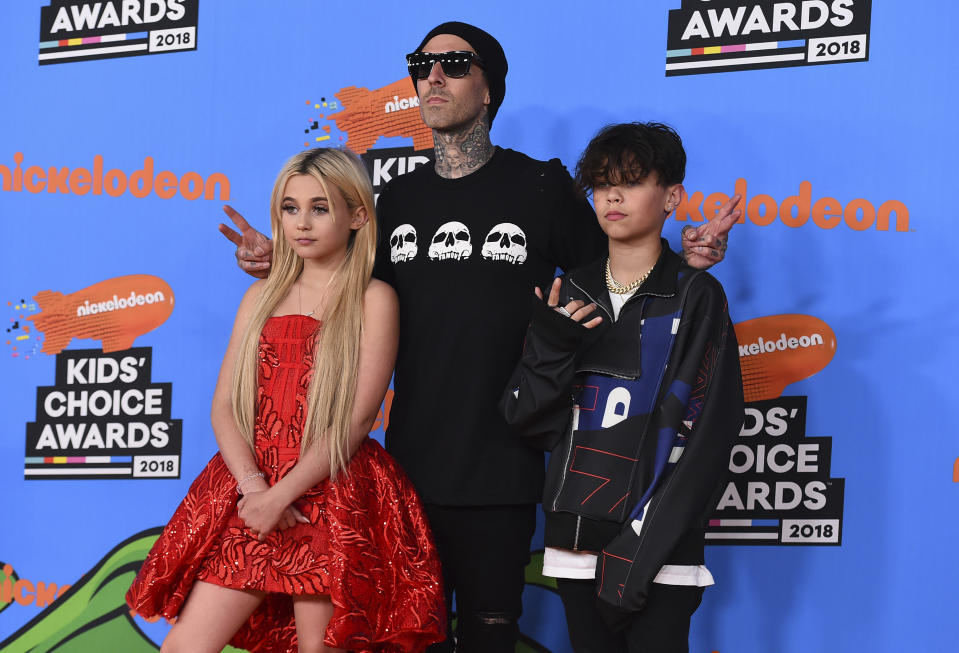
(462, 152)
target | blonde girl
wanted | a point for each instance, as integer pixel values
(326, 547)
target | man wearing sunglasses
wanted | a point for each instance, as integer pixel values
(464, 241)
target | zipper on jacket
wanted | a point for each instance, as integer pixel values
(593, 300)
(580, 370)
(569, 453)
(611, 321)
(579, 520)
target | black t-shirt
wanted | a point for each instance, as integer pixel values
(464, 256)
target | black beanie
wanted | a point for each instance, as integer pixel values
(488, 49)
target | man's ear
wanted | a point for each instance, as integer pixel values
(359, 218)
(674, 195)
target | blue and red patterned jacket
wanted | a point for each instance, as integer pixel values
(640, 415)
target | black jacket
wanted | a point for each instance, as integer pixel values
(640, 415)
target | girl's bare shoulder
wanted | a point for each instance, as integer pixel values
(380, 298)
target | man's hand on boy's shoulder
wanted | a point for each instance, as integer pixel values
(705, 245)
(254, 251)
(576, 310)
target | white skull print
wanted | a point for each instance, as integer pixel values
(451, 242)
(505, 242)
(403, 243)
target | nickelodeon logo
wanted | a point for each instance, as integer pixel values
(114, 182)
(116, 312)
(401, 104)
(798, 210)
(25, 592)
(777, 350)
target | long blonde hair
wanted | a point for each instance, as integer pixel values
(332, 389)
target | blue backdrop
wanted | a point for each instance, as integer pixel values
(124, 132)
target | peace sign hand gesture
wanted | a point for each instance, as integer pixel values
(705, 245)
(254, 251)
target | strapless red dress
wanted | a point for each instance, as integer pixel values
(367, 546)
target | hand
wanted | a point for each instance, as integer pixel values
(254, 251)
(577, 310)
(262, 514)
(705, 245)
(291, 516)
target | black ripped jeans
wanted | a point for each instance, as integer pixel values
(484, 551)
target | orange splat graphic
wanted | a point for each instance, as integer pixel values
(365, 116)
(781, 349)
(116, 312)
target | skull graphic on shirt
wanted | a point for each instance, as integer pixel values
(505, 242)
(403, 243)
(451, 242)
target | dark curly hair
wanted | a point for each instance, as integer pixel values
(628, 152)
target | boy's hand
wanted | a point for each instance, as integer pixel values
(705, 245)
(577, 310)
(254, 251)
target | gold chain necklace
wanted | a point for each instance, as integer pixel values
(618, 288)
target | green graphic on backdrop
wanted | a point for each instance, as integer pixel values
(93, 616)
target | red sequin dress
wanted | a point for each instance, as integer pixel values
(367, 545)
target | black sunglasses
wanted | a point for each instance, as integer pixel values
(454, 64)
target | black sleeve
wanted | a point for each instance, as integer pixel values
(385, 218)
(710, 417)
(537, 402)
(575, 237)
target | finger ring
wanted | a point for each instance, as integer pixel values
(685, 228)
(562, 311)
